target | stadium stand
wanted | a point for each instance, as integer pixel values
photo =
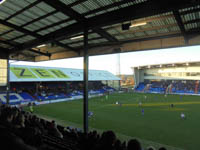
(16, 98)
(140, 87)
(63, 84)
(175, 87)
(23, 93)
(25, 131)
(25, 25)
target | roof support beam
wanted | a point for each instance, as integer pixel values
(6, 32)
(7, 43)
(18, 37)
(180, 24)
(192, 21)
(25, 31)
(107, 7)
(39, 18)
(22, 10)
(40, 53)
(191, 33)
(4, 53)
(66, 46)
(81, 41)
(26, 57)
(147, 20)
(15, 27)
(105, 34)
(134, 31)
(75, 15)
(64, 9)
(4, 49)
(190, 11)
(30, 22)
(132, 40)
(31, 50)
(43, 28)
(138, 11)
(76, 3)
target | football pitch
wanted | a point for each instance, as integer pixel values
(159, 125)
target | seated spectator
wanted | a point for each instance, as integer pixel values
(53, 130)
(25, 131)
(118, 145)
(151, 148)
(10, 141)
(6, 117)
(134, 145)
(107, 140)
(44, 125)
(19, 121)
(124, 145)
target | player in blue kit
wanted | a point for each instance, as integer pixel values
(90, 114)
(143, 112)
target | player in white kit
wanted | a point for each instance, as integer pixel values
(183, 116)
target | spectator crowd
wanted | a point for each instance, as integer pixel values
(22, 130)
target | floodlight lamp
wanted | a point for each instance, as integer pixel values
(77, 37)
(41, 45)
(138, 24)
(1, 1)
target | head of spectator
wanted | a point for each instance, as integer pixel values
(43, 122)
(118, 145)
(134, 145)
(151, 148)
(94, 134)
(20, 121)
(54, 130)
(7, 115)
(15, 112)
(124, 145)
(108, 138)
(53, 124)
(162, 148)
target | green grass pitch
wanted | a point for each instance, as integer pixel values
(160, 123)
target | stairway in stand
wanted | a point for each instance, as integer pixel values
(196, 87)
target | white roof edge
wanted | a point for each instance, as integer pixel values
(71, 74)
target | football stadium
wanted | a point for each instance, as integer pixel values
(156, 107)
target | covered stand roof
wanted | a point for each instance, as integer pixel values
(27, 24)
(20, 73)
(168, 65)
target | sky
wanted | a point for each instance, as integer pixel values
(127, 60)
